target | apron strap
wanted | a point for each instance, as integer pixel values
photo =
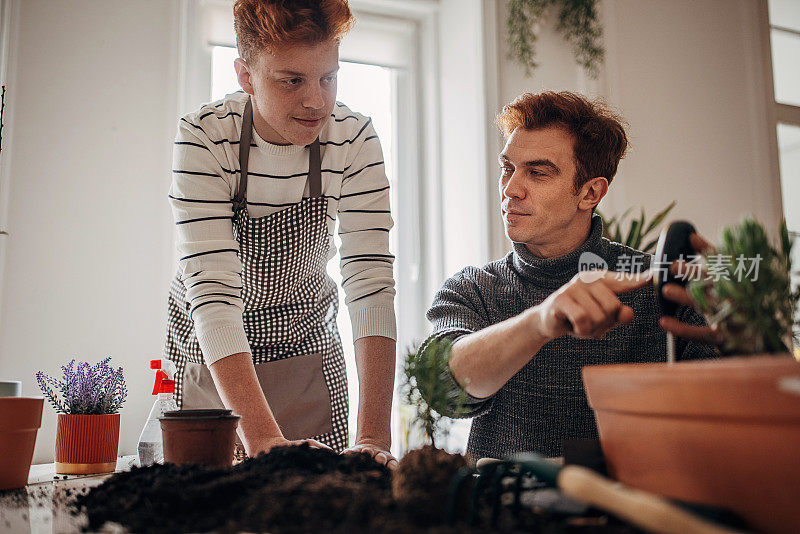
(240, 200)
(246, 136)
(314, 170)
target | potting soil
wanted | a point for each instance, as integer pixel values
(290, 490)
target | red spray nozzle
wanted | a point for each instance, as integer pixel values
(167, 386)
(161, 377)
(168, 366)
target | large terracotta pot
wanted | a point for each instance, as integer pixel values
(87, 444)
(723, 433)
(20, 418)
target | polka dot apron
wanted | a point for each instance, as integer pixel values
(290, 308)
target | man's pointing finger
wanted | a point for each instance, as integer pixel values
(623, 282)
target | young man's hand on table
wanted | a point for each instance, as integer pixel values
(379, 451)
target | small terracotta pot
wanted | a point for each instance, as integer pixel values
(87, 444)
(723, 433)
(205, 437)
(20, 418)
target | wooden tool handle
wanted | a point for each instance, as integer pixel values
(645, 510)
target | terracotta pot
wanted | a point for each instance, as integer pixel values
(87, 444)
(205, 437)
(20, 418)
(723, 433)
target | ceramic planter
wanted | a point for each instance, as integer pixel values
(87, 444)
(10, 388)
(205, 437)
(20, 418)
(723, 433)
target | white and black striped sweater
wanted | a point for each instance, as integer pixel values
(204, 181)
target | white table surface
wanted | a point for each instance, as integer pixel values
(38, 508)
(41, 473)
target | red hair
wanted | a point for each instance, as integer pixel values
(265, 24)
(599, 134)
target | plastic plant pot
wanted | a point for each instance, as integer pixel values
(20, 419)
(204, 437)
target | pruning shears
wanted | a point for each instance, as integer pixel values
(673, 244)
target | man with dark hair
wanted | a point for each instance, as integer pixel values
(521, 328)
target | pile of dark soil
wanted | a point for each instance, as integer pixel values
(423, 477)
(293, 490)
(283, 491)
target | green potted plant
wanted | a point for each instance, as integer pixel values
(421, 481)
(723, 432)
(87, 400)
(638, 229)
(578, 21)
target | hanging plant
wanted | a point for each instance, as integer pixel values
(577, 21)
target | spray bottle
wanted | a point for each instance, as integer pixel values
(150, 447)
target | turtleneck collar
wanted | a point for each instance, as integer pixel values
(555, 272)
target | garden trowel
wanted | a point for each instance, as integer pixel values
(673, 244)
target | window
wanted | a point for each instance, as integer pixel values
(784, 21)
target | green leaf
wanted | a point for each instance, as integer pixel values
(637, 240)
(631, 233)
(659, 218)
(651, 245)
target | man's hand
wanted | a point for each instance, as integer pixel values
(279, 441)
(587, 306)
(679, 294)
(379, 451)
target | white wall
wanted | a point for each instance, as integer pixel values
(92, 99)
(689, 78)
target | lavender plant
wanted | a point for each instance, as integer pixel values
(86, 390)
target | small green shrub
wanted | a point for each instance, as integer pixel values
(756, 311)
(427, 389)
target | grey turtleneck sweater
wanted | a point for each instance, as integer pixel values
(544, 403)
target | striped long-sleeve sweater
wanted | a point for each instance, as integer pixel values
(205, 177)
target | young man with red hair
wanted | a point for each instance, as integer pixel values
(521, 328)
(259, 180)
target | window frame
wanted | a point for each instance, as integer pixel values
(8, 31)
(777, 112)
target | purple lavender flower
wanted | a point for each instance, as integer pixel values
(87, 390)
